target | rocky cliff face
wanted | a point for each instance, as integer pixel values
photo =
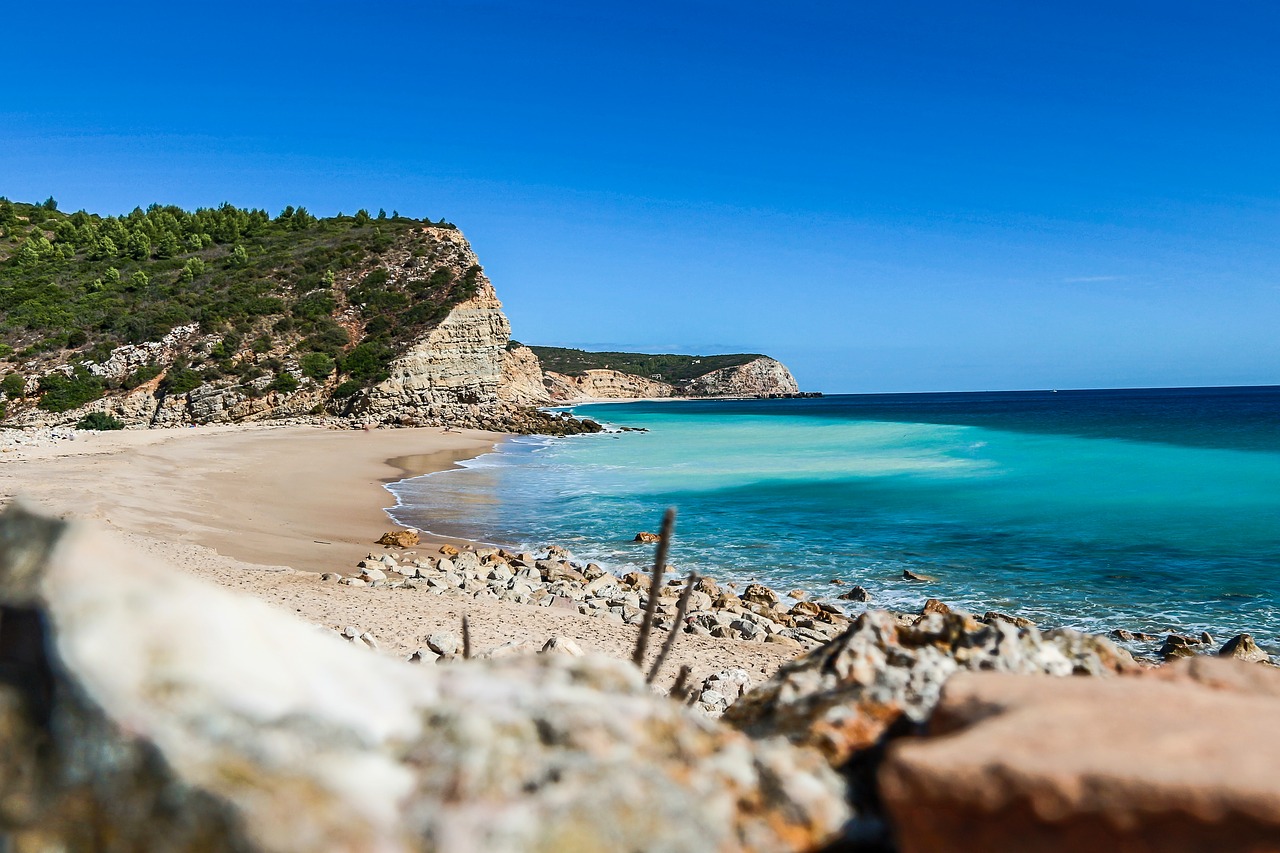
(522, 380)
(452, 375)
(763, 377)
(604, 385)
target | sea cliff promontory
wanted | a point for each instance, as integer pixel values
(166, 317)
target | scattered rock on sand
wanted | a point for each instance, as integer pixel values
(448, 550)
(399, 538)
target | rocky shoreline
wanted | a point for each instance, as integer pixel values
(753, 612)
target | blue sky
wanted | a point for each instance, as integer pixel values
(887, 196)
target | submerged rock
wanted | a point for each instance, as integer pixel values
(149, 707)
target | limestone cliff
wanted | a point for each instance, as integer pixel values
(764, 377)
(452, 375)
(604, 385)
(522, 379)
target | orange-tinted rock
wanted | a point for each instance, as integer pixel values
(399, 538)
(760, 594)
(1181, 760)
(1242, 647)
(448, 550)
(933, 605)
(646, 537)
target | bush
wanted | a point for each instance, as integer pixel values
(99, 421)
(316, 365)
(346, 389)
(60, 393)
(285, 383)
(180, 380)
(13, 385)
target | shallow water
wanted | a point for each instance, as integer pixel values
(1150, 510)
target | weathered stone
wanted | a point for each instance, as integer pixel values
(1138, 764)
(760, 594)
(444, 643)
(856, 593)
(399, 538)
(1242, 647)
(563, 646)
(933, 605)
(646, 537)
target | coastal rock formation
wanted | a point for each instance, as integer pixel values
(148, 707)
(764, 377)
(604, 385)
(1179, 760)
(452, 375)
(522, 380)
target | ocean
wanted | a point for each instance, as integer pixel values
(1151, 510)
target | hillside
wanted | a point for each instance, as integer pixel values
(673, 369)
(164, 317)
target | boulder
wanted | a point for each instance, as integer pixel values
(399, 538)
(933, 605)
(1141, 764)
(647, 538)
(760, 594)
(145, 708)
(856, 593)
(1242, 647)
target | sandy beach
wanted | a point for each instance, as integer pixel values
(266, 508)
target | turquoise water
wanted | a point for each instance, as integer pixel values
(1150, 510)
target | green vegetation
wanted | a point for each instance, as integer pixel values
(99, 421)
(75, 286)
(675, 369)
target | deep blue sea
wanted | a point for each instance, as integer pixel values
(1152, 510)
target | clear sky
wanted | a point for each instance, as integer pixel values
(888, 196)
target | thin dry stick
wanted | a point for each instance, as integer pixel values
(655, 584)
(681, 609)
(466, 637)
(677, 689)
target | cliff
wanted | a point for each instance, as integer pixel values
(604, 385)
(763, 377)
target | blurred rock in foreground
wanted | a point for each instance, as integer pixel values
(1182, 759)
(141, 708)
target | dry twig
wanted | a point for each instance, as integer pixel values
(655, 584)
(681, 609)
(678, 688)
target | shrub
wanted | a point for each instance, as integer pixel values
(346, 389)
(285, 383)
(180, 380)
(13, 385)
(60, 393)
(99, 421)
(316, 365)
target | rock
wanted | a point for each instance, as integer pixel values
(783, 640)
(373, 575)
(330, 576)
(353, 582)
(805, 608)
(563, 646)
(798, 594)
(647, 538)
(399, 538)
(1206, 639)
(909, 575)
(760, 594)
(844, 696)
(1016, 621)
(444, 643)
(423, 656)
(1033, 763)
(1118, 634)
(448, 550)
(636, 580)
(144, 708)
(1242, 647)
(933, 605)
(1177, 646)
(856, 593)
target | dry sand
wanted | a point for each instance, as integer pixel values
(265, 508)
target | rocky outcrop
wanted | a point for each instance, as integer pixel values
(522, 381)
(604, 385)
(452, 375)
(143, 708)
(763, 377)
(1176, 761)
